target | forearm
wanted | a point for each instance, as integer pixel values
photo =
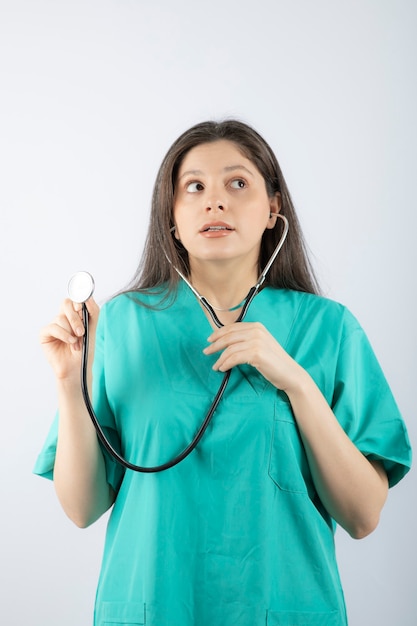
(79, 471)
(352, 489)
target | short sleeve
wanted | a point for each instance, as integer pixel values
(45, 462)
(364, 405)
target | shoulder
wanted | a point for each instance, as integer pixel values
(307, 303)
(141, 305)
(313, 315)
(154, 298)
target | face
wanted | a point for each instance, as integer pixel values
(221, 205)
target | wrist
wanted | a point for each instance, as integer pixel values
(300, 385)
(69, 384)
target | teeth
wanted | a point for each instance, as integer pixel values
(217, 228)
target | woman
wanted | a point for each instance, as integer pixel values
(306, 434)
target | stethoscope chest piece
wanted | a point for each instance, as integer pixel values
(81, 287)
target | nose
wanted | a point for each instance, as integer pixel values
(215, 196)
(217, 205)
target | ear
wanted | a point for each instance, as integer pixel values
(173, 230)
(274, 208)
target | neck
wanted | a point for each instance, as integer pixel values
(223, 287)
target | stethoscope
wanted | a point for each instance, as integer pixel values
(81, 287)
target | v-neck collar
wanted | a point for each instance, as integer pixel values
(245, 379)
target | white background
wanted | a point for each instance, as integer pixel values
(92, 93)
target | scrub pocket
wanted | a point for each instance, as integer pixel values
(120, 614)
(288, 466)
(295, 618)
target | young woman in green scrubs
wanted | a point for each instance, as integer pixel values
(307, 435)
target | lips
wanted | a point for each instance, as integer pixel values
(213, 227)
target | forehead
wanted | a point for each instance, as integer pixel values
(215, 155)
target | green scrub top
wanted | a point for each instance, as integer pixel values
(236, 533)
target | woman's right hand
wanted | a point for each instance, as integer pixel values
(62, 339)
(79, 469)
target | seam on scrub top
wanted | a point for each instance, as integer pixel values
(294, 321)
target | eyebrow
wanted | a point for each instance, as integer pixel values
(228, 168)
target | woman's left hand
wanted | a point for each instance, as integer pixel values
(251, 343)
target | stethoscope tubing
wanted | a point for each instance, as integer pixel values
(186, 451)
(100, 433)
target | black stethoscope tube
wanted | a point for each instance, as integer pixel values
(182, 455)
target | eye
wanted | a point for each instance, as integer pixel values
(194, 187)
(238, 183)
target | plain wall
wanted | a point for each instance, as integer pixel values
(92, 93)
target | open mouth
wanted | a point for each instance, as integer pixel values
(215, 228)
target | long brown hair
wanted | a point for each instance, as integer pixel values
(292, 268)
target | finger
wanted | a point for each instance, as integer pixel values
(237, 327)
(218, 333)
(93, 310)
(232, 356)
(58, 331)
(73, 313)
(233, 336)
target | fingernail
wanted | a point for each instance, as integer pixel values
(79, 331)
